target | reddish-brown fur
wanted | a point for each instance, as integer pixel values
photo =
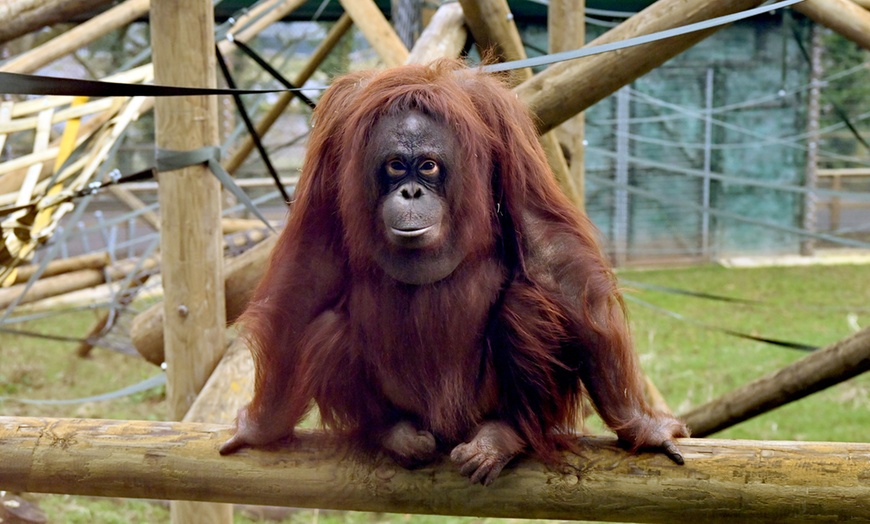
(498, 353)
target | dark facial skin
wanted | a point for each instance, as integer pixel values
(412, 159)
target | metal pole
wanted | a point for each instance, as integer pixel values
(808, 245)
(708, 157)
(620, 216)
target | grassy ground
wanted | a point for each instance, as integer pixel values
(690, 365)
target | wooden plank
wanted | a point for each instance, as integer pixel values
(23, 124)
(40, 144)
(229, 388)
(722, 480)
(5, 116)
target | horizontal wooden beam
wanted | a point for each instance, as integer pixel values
(563, 90)
(722, 480)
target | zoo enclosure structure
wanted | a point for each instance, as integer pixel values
(179, 459)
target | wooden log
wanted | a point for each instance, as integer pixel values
(238, 225)
(242, 275)
(230, 387)
(24, 16)
(823, 368)
(379, 33)
(566, 28)
(445, 36)
(492, 25)
(70, 281)
(563, 90)
(16, 510)
(259, 18)
(191, 243)
(326, 46)
(843, 16)
(63, 265)
(77, 37)
(722, 480)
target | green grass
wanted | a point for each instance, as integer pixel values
(691, 365)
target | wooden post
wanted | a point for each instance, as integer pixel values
(821, 369)
(445, 36)
(566, 28)
(241, 276)
(565, 89)
(492, 25)
(722, 480)
(379, 33)
(182, 36)
(843, 16)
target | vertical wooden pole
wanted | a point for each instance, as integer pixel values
(566, 28)
(182, 36)
(492, 25)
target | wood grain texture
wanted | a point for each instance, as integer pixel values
(82, 34)
(445, 36)
(242, 274)
(191, 241)
(377, 30)
(492, 25)
(821, 369)
(23, 16)
(563, 90)
(566, 28)
(722, 481)
(843, 16)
